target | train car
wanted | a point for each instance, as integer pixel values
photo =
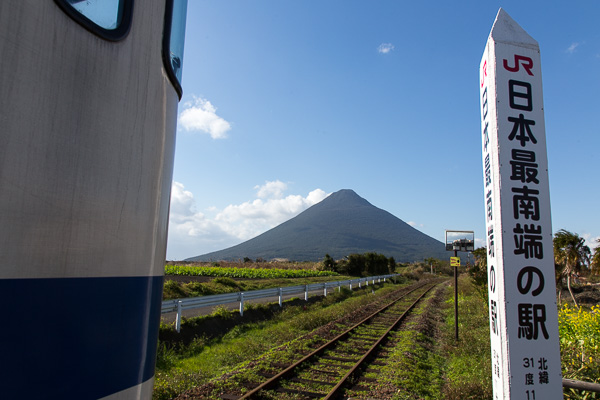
(88, 109)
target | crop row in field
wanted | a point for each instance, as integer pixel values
(251, 273)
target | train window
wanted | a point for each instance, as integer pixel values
(109, 19)
(173, 41)
(106, 13)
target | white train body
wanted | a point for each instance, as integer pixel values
(87, 137)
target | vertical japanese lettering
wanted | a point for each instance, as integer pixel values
(519, 95)
(526, 203)
(528, 274)
(522, 130)
(523, 166)
(528, 241)
(532, 320)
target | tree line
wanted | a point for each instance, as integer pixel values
(367, 264)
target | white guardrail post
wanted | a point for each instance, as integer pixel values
(178, 320)
(280, 297)
(306, 293)
(241, 304)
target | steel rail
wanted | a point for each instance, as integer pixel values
(335, 391)
(271, 381)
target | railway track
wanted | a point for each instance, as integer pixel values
(329, 370)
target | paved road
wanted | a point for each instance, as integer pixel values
(170, 317)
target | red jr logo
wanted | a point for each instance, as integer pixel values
(483, 72)
(526, 62)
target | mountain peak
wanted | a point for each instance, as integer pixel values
(345, 198)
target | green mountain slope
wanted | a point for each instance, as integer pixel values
(342, 224)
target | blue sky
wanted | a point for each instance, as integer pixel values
(286, 102)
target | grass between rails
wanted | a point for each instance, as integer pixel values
(414, 368)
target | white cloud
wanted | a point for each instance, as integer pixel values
(182, 201)
(271, 188)
(192, 233)
(571, 49)
(415, 225)
(385, 48)
(189, 228)
(591, 241)
(251, 218)
(480, 243)
(201, 115)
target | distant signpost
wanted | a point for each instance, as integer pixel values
(522, 294)
(458, 241)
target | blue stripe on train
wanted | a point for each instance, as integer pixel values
(77, 338)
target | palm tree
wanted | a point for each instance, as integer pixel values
(480, 255)
(595, 263)
(571, 253)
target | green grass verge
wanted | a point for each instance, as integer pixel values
(468, 363)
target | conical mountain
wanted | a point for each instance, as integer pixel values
(343, 223)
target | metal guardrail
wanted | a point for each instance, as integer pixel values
(178, 305)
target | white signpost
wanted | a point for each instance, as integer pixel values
(522, 294)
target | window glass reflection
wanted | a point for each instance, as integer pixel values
(106, 14)
(178, 36)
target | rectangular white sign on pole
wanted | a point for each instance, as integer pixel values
(522, 291)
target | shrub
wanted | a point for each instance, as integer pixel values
(329, 263)
(222, 312)
(226, 282)
(172, 290)
(367, 264)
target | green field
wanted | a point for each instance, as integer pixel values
(245, 273)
